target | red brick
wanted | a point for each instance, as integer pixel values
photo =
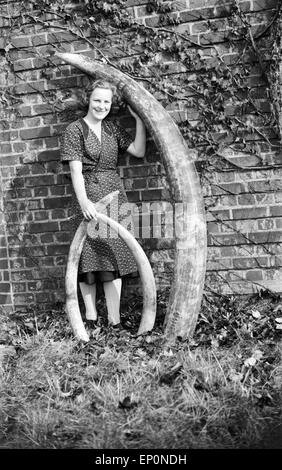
(66, 82)
(47, 238)
(40, 180)
(247, 263)
(53, 250)
(37, 169)
(23, 299)
(7, 136)
(32, 122)
(216, 214)
(65, 225)
(28, 88)
(25, 64)
(3, 253)
(38, 63)
(133, 196)
(19, 147)
(41, 215)
(5, 287)
(266, 185)
(228, 251)
(17, 217)
(17, 54)
(60, 260)
(251, 213)
(54, 167)
(23, 193)
(151, 195)
(39, 39)
(42, 108)
(58, 190)
(219, 239)
(266, 224)
(139, 171)
(274, 236)
(131, 3)
(40, 192)
(139, 183)
(34, 144)
(213, 227)
(254, 275)
(48, 155)
(58, 214)
(25, 111)
(231, 188)
(34, 286)
(5, 299)
(4, 264)
(5, 148)
(52, 142)
(246, 200)
(2, 241)
(35, 133)
(62, 237)
(42, 227)
(43, 297)
(19, 287)
(16, 263)
(56, 202)
(44, 261)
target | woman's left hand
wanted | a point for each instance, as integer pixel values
(135, 115)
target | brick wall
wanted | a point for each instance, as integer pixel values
(244, 209)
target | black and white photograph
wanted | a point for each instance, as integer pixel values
(140, 231)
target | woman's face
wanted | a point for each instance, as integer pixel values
(100, 103)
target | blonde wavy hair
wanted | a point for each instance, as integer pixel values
(100, 83)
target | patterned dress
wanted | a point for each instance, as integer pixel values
(99, 168)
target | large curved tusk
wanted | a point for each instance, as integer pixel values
(190, 260)
(72, 306)
(144, 268)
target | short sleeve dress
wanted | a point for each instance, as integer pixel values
(99, 168)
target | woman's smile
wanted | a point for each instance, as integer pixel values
(100, 103)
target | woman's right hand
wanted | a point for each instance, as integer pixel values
(88, 210)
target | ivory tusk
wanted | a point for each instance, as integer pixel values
(144, 268)
(191, 246)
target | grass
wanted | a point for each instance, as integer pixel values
(220, 390)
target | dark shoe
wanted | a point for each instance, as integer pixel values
(91, 323)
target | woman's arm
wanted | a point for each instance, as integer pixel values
(138, 147)
(87, 206)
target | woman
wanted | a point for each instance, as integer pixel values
(91, 145)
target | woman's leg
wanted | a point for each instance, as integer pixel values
(112, 291)
(88, 291)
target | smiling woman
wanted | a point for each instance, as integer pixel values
(91, 146)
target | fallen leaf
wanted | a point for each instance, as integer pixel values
(251, 361)
(256, 314)
(236, 377)
(126, 403)
(171, 375)
(140, 352)
(168, 353)
(257, 354)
